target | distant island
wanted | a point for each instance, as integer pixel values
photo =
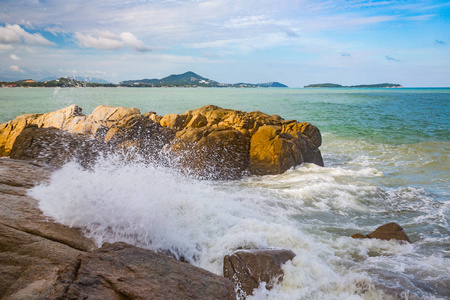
(188, 79)
(59, 82)
(334, 85)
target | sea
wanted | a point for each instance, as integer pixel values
(386, 155)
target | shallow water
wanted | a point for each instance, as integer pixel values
(386, 156)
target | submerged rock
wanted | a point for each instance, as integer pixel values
(249, 268)
(390, 231)
(209, 142)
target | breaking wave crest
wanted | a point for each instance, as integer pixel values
(310, 210)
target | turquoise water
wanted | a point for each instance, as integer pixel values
(386, 154)
(393, 116)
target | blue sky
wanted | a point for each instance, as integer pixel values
(294, 42)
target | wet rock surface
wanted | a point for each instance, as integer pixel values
(249, 268)
(209, 142)
(41, 259)
(390, 231)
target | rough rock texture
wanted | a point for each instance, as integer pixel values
(54, 147)
(40, 259)
(385, 232)
(209, 142)
(272, 145)
(32, 248)
(210, 154)
(248, 268)
(121, 271)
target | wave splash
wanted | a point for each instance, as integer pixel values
(201, 221)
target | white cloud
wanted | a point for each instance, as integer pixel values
(16, 69)
(54, 30)
(131, 41)
(14, 57)
(106, 40)
(14, 34)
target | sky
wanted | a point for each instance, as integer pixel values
(293, 42)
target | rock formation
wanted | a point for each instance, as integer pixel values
(390, 231)
(209, 142)
(41, 259)
(121, 271)
(249, 268)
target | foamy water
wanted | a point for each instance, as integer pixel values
(386, 155)
(310, 209)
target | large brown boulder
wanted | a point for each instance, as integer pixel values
(121, 271)
(10, 131)
(273, 145)
(209, 153)
(249, 268)
(54, 147)
(272, 152)
(390, 231)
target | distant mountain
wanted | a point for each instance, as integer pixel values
(193, 80)
(79, 78)
(334, 85)
(188, 78)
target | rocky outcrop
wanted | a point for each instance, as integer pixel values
(41, 259)
(32, 248)
(54, 147)
(210, 154)
(209, 142)
(249, 268)
(272, 145)
(390, 231)
(121, 271)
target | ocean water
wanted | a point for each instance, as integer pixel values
(386, 154)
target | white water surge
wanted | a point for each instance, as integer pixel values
(310, 210)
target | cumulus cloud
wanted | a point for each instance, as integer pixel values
(14, 34)
(16, 69)
(14, 57)
(131, 41)
(106, 40)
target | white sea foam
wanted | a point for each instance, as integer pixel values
(308, 209)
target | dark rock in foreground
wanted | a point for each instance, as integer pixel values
(121, 271)
(41, 259)
(32, 248)
(390, 231)
(249, 268)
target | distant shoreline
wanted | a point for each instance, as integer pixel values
(334, 85)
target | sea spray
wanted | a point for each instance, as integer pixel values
(310, 210)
